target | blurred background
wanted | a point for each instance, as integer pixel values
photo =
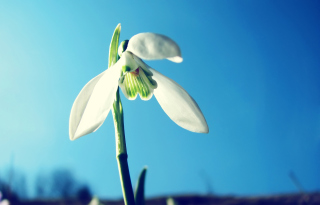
(252, 67)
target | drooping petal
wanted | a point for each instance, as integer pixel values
(178, 104)
(93, 103)
(151, 46)
(80, 104)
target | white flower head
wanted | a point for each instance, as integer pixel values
(3, 202)
(134, 77)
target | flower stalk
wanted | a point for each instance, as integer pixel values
(117, 112)
(121, 152)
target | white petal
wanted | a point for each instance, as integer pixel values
(151, 46)
(93, 103)
(178, 104)
(176, 59)
(127, 60)
(142, 65)
(80, 104)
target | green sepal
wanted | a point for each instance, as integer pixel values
(139, 192)
(113, 49)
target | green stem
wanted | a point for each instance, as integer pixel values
(121, 152)
(117, 112)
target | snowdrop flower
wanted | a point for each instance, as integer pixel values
(134, 77)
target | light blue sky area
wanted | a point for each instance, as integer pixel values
(252, 66)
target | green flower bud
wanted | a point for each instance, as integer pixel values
(123, 47)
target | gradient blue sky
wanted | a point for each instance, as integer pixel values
(252, 66)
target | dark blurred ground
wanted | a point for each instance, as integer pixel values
(298, 199)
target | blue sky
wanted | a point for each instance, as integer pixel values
(252, 66)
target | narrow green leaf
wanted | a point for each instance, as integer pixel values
(113, 49)
(139, 192)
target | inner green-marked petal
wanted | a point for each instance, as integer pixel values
(137, 82)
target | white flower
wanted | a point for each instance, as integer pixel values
(95, 201)
(3, 202)
(134, 77)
